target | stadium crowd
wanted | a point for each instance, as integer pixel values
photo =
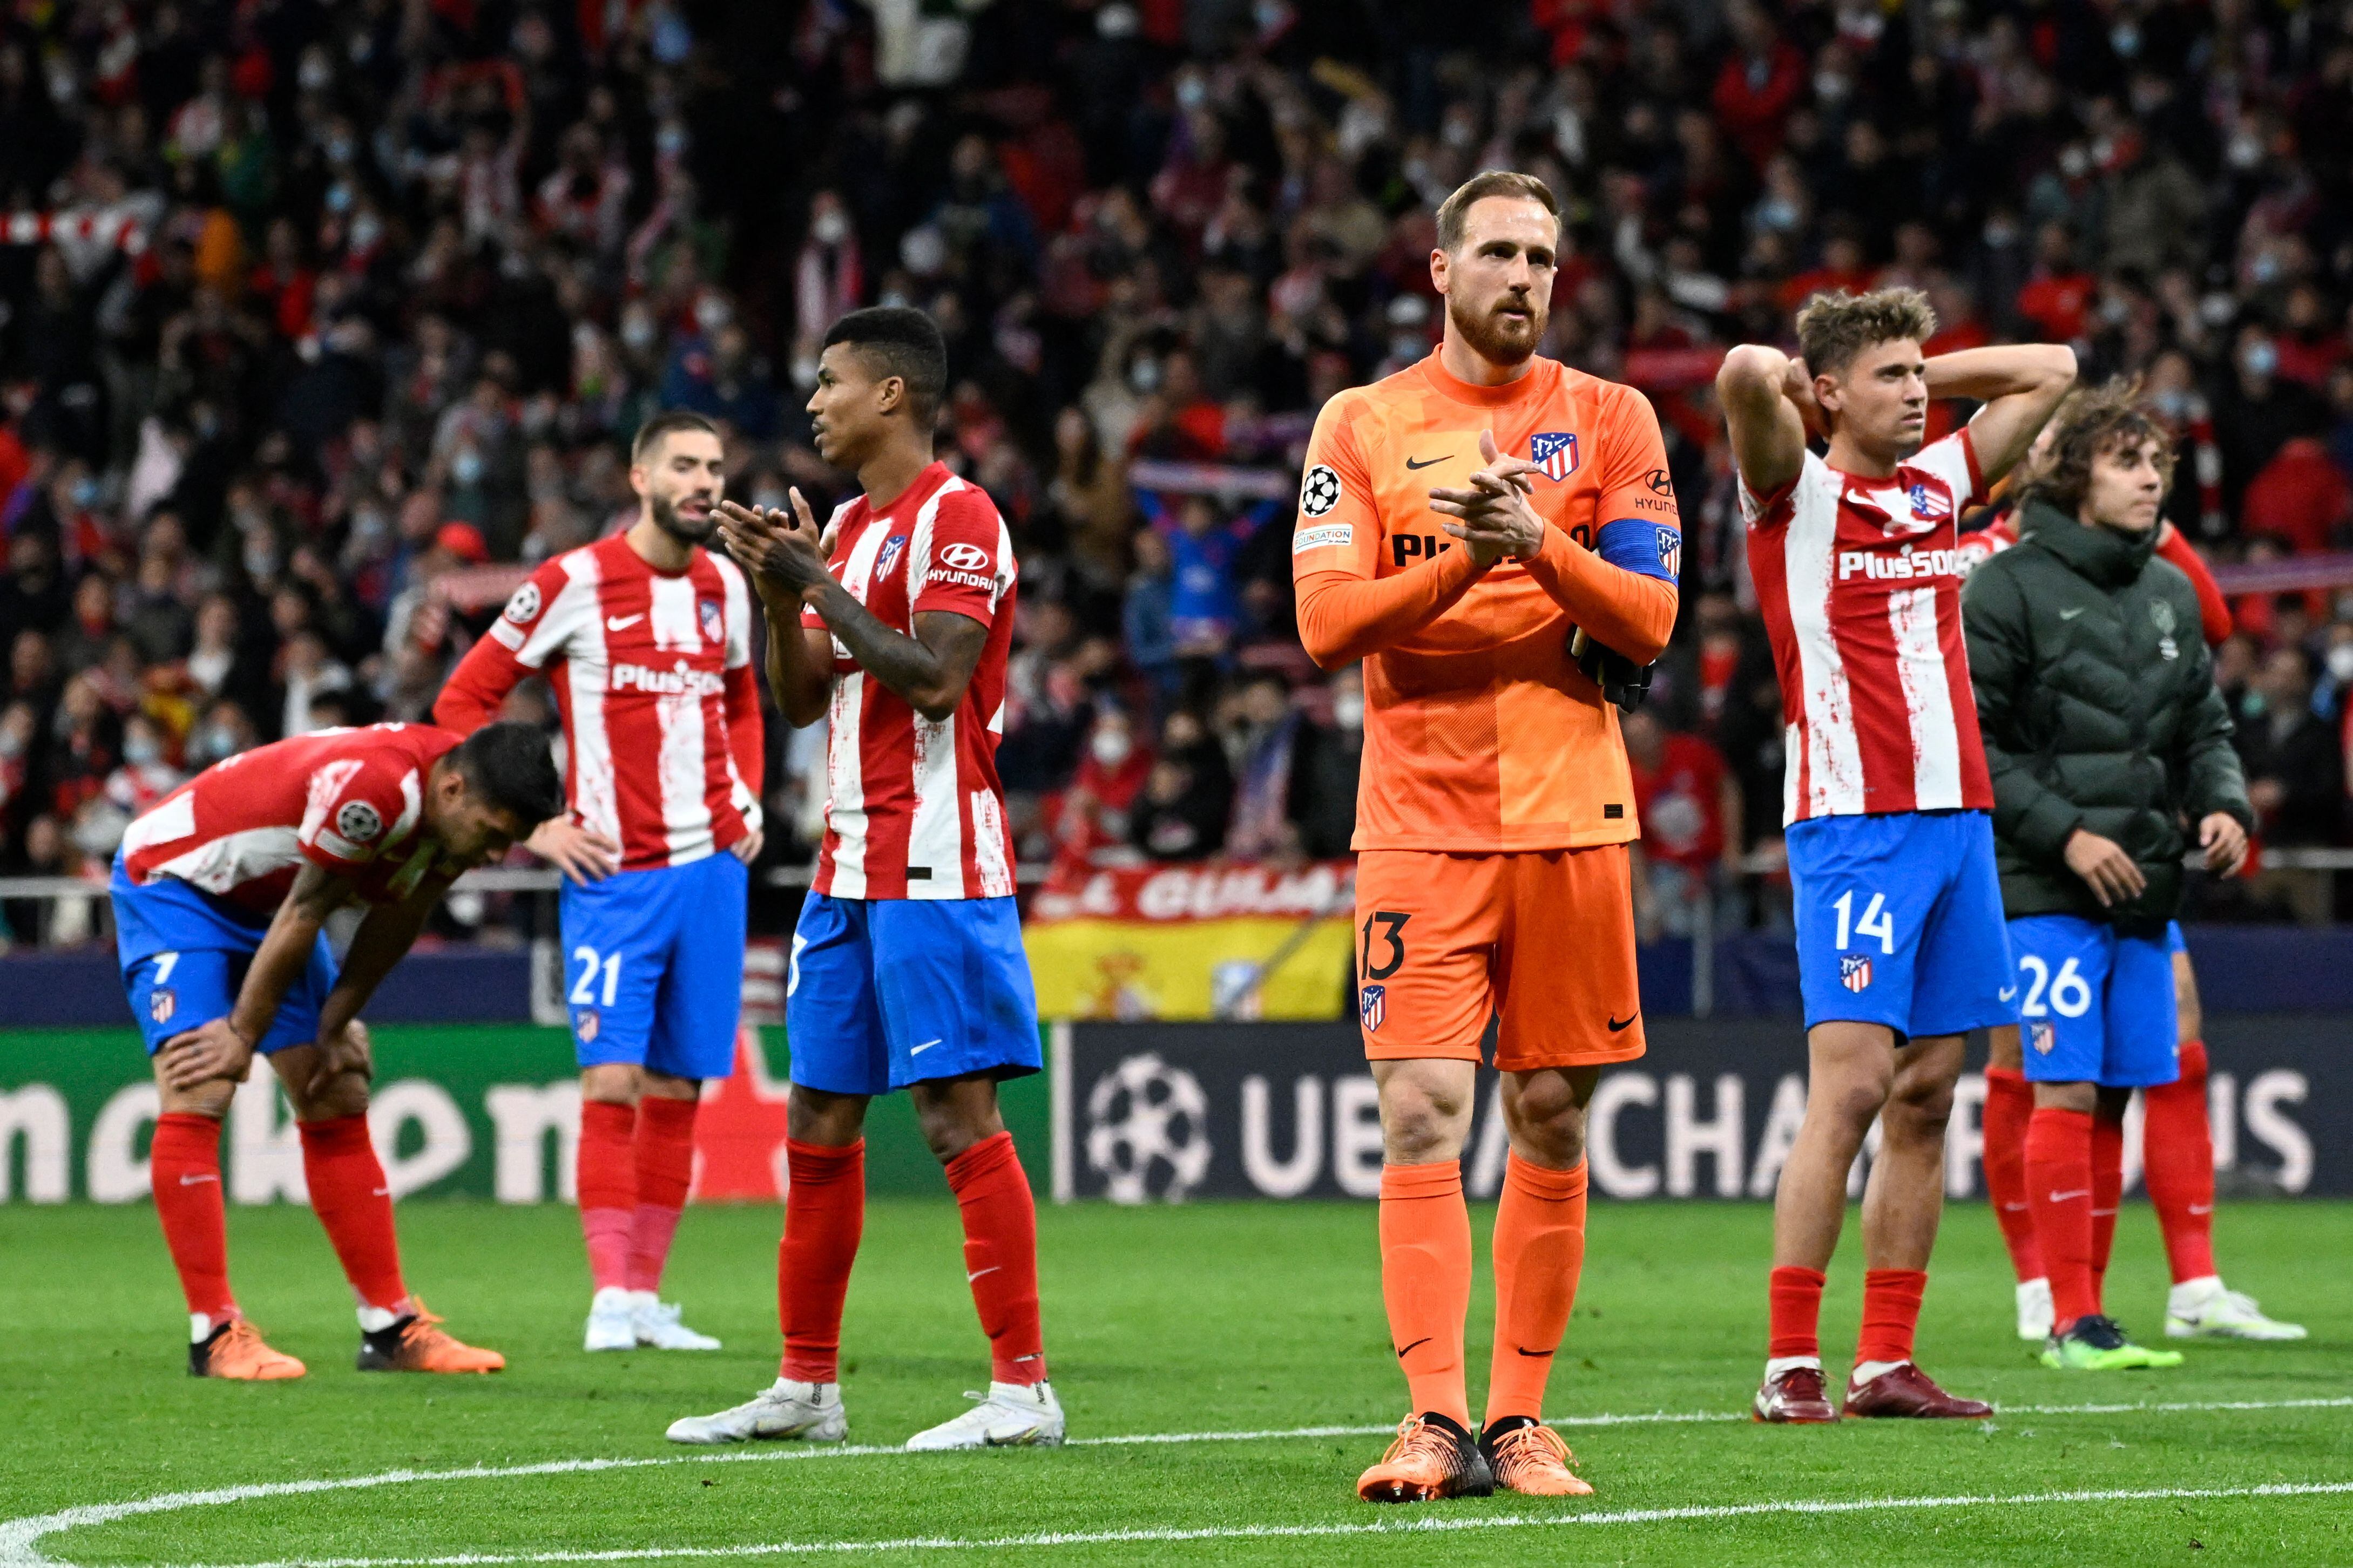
(324, 322)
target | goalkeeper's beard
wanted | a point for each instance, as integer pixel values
(1495, 340)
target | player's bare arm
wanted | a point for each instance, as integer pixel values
(770, 547)
(2020, 386)
(384, 936)
(224, 1047)
(1760, 389)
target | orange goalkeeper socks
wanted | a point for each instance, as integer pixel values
(1425, 1281)
(1539, 1250)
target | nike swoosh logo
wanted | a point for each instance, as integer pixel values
(383, 1192)
(621, 623)
(927, 1044)
(1425, 463)
(1615, 1026)
(2070, 614)
(2062, 1197)
(2194, 1208)
(2015, 1208)
(1538, 1356)
(2008, 992)
(990, 1270)
(1416, 1345)
(192, 1181)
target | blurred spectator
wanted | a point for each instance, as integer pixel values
(1094, 815)
(1263, 748)
(1690, 809)
(1181, 813)
(1325, 772)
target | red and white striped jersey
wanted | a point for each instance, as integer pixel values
(350, 801)
(652, 673)
(912, 807)
(1858, 580)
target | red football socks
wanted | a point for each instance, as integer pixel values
(2058, 1177)
(349, 1195)
(1000, 1256)
(825, 1211)
(1890, 1308)
(1425, 1281)
(2010, 1101)
(2178, 1151)
(1797, 1299)
(1539, 1250)
(186, 1175)
(607, 1187)
(665, 1168)
(2108, 1192)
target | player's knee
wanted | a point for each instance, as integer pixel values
(345, 1094)
(610, 1083)
(1421, 1122)
(1547, 1125)
(210, 1098)
(1926, 1107)
(1852, 1100)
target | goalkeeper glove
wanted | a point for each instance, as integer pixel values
(1621, 680)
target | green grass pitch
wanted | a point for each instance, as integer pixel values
(1169, 1321)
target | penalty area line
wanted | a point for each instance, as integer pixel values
(20, 1539)
(1423, 1525)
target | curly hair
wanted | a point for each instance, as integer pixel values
(1834, 328)
(2092, 422)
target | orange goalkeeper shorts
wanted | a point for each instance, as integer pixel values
(1543, 938)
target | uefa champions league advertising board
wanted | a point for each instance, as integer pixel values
(1169, 1112)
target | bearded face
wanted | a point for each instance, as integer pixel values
(1498, 280)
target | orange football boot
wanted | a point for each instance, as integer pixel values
(235, 1350)
(416, 1344)
(1531, 1459)
(1432, 1457)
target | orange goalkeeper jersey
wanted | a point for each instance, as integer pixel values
(1481, 733)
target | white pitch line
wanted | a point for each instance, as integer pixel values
(20, 1538)
(1437, 1522)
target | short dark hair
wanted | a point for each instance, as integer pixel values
(2092, 422)
(510, 766)
(650, 433)
(1455, 210)
(1833, 327)
(901, 341)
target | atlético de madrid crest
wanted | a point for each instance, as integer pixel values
(1854, 971)
(1554, 451)
(714, 620)
(1373, 1005)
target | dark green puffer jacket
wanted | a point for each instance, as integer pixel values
(2097, 696)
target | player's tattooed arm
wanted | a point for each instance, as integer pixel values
(2020, 386)
(1768, 401)
(224, 1047)
(930, 669)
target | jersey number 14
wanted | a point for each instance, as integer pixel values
(1875, 921)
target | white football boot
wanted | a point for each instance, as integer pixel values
(1010, 1414)
(2034, 1310)
(810, 1411)
(2208, 1310)
(656, 1324)
(612, 1320)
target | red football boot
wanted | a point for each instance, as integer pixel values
(1905, 1391)
(1795, 1396)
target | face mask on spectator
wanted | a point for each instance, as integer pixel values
(214, 742)
(1144, 376)
(366, 230)
(2340, 664)
(316, 73)
(12, 745)
(85, 491)
(638, 331)
(2259, 358)
(1112, 747)
(831, 228)
(466, 468)
(261, 557)
(1348, 712)
(2173, 403)
(139, 751)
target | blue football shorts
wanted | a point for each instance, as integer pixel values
(2094, 1007)
(1899, 922)
(184, 954)
(653, 966)
(883, 993)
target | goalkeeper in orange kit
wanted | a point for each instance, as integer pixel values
(1495, 535)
